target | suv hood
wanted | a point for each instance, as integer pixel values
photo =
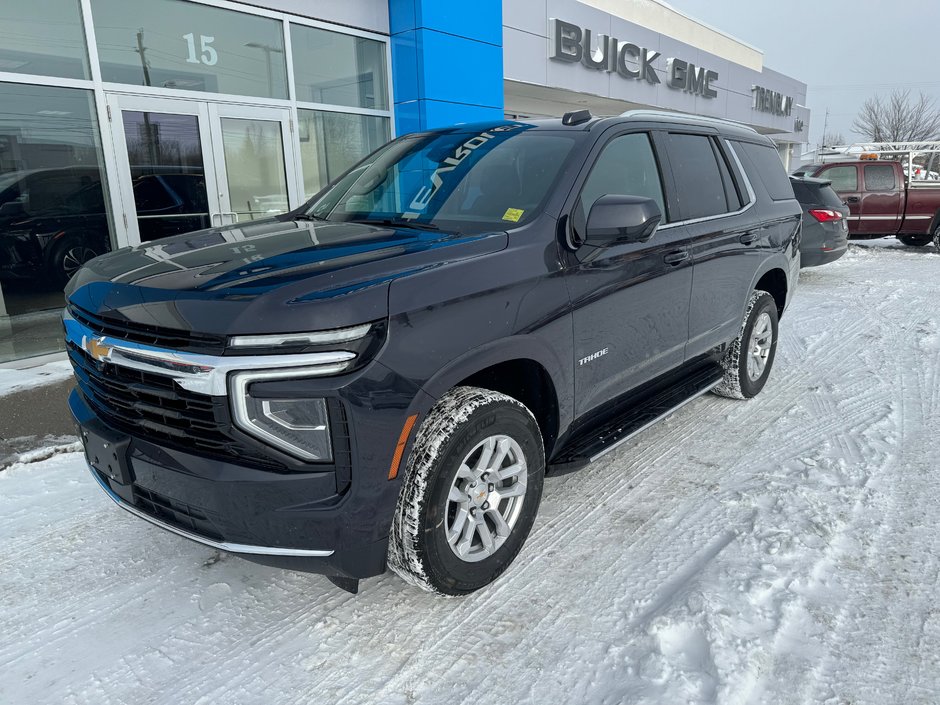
(270, 276)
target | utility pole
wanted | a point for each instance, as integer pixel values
(148, 131)
(825, 128)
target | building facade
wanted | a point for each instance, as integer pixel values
(125, 121)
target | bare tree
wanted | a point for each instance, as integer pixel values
(899, 118)
(833, 139)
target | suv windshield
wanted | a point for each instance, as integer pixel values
(465, 181)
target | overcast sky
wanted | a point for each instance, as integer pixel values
(844, 50)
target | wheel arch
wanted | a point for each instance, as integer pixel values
(520, 368)
(773, 279)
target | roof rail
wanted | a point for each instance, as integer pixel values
(698, 118)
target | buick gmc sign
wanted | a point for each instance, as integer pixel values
(575, 44)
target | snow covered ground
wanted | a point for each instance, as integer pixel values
(783, 550)
(15, 380)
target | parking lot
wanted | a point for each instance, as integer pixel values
(782, 550)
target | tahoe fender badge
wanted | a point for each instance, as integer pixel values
(593, 356)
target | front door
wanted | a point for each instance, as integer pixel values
(630, 301)
(185, 165)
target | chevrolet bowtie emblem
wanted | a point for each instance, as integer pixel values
(97, 349)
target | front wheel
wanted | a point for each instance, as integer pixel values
(470, 493)
(750, 357)
(916, 240)
(69, 256)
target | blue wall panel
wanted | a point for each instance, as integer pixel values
(447, 62)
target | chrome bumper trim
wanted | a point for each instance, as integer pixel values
(220, 545)
(203, 374)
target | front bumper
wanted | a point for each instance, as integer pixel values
(299, 520)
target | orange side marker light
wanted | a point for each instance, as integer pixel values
(400, 448)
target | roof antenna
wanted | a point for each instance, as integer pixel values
(576, 117)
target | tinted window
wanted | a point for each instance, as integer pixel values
(813, 194)
(626, 167)
(879, 177)
(732, 191)
(769, 168)
(699, 185)
(830, 198)
(843, 178)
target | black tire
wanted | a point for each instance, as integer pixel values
(460, 422)
(68, 255)
(737, 382)
(915, 240)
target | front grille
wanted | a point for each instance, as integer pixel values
(158, 336)
(179, 514)
(154, 407)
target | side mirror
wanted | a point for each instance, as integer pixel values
(619, 219)
(12, 209)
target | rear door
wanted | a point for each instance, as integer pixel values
(630, 301)
(724, 230)
(846, 182)
(880, 212)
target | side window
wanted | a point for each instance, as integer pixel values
(733, 192)
(626, 166)
(879, 177)
(843, 178)
(699, 184)
(766, 162)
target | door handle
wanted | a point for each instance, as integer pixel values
(852, 199)
(676, 257)
(748, 238)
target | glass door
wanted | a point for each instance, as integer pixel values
(256, 171)
(186, 165)
(165, 166)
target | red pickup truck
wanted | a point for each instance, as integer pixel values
(882, 201)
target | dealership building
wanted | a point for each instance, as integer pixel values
(125, 121)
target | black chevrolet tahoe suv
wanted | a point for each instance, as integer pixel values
(383, 377)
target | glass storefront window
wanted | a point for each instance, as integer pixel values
(330, 143)
(338, 69)
(43, 38)
(254, 168)
(169, 182)
(188, 46)
(53, 215)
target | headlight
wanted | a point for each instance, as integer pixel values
(300, 427)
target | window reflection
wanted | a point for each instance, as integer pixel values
(188, 46)
(43, 37)
(330, 143)
(53, 215)
(340, 69)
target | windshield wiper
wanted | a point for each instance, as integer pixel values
(308, 216)
(396, 222)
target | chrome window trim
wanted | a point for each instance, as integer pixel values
(220, 545)
(752, 198)
(203, 374)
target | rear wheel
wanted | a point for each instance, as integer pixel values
(917, 240)
(750, 357)
(470, 494)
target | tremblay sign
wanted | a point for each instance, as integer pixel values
(774, 102)
(574, 44)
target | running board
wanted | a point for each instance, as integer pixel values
(589, 446)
